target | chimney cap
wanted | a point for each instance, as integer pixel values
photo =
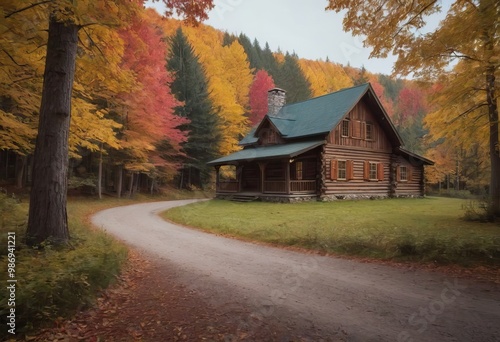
(277, 89)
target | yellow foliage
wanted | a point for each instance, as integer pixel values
(325, 77)
(229, 79)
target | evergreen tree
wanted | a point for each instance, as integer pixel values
(252, 53)
(228, 39)
(269, 62)
(190, 87)
(291, 78)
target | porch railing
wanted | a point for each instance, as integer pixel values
(228, 186)
(305, 186)
(275, 187)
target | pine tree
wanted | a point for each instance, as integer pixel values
(252, 53)
(291, 78)
(269, 62)
(190, 87)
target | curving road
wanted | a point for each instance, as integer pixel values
(327, 297)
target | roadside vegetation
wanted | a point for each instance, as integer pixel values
(54, 282)
(423, 230)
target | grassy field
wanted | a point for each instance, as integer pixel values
(429, 229)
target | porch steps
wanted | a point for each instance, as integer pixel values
(244, 198)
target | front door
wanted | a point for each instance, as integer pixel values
(250, 178)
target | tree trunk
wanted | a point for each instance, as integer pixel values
(47, 214)
(494, 142)
(120, 181)
(131, 185)
(99, 175)
(21, 162)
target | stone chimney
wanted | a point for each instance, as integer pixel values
(276, 98)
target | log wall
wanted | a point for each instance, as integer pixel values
(358, 152)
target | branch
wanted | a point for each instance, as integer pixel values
(415, 16)
(470, 110)
(13, 60)
(93, 43)
(26, 8)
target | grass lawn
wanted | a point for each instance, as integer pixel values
(429, 229)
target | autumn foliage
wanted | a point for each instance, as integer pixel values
(261, 84)
(123, 109)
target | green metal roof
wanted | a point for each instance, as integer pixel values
(268, 152)
(316, 116)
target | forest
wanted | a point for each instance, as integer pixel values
(154, 99)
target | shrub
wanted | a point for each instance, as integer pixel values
(478, 210)
(57, 282)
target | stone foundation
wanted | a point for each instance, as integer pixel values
(352, 197)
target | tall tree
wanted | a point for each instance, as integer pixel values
(47, 213)
(150, 115)
(291, 78)
(468, 37)
(252, 56)
(229, 79)
(191, 88)
(262, 83)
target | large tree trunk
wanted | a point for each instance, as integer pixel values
(494, 142)
(47, 214)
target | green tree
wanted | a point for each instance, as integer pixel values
(291, 78)
(269, 62)
(251, 51)
(191, 88)
(468, 38)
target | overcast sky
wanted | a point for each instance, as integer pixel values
(302, 26)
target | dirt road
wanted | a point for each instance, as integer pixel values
(325, 298)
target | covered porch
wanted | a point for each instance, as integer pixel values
(289, 170)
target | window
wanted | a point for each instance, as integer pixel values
(299, 170)
(403, 173)
(272, 137)
(369, 134)
(342, 169)
(357, 129)
(345, 128)
(373, 171)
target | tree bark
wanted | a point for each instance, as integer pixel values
(21, 162)
(494, 142)
(120, 181)
(99, 176)
(131, 185)
(47, 214)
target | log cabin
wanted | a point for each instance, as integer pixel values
(338, 146)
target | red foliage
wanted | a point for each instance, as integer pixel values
(386, 103)
(411, 103)
(150, 116)
(192, 11)
(262, 83)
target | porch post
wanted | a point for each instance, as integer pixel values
(262, 167)
(239, 176)
(217, 178)
(287, 176)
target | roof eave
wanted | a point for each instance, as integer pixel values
(412, 155)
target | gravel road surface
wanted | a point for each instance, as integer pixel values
(322, 297)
